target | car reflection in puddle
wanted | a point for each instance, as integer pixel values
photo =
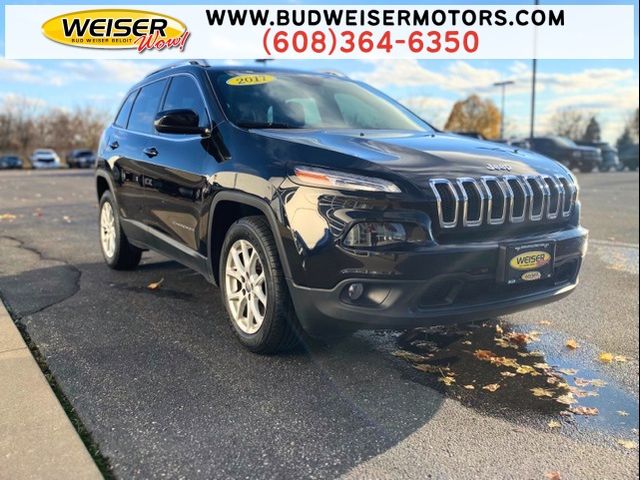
(505, 371)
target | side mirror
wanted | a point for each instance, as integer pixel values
(182, 121)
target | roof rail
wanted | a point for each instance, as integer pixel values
(181, 63)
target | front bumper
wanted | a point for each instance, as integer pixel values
(459, 285)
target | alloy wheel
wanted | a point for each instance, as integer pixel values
(246, 286)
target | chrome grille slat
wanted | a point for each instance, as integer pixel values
(521, 198)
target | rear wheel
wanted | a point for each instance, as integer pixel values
(254, 290)
(118, 253)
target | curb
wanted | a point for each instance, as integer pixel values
(37, 439)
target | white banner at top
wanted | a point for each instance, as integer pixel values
(319, 32)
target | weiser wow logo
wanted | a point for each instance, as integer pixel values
(117, 28)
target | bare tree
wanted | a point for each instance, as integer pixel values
(570, 122)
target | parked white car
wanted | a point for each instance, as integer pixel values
(45, 158)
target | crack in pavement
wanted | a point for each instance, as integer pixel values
(30, 285)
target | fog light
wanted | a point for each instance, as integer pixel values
(355, 291)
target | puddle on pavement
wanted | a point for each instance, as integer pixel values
(507, 371)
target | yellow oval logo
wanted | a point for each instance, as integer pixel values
(242, 80)
(530, 276)
(530, 260)
(116, 28)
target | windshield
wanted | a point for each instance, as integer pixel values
(286, 100)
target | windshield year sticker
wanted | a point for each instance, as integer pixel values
(242, 80)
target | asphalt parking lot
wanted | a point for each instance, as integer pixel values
(157, 379)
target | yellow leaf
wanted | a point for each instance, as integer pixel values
(544, 322)
(566, 399)
(628, 444)
(542, 392)
(554, 424)
(605, 357)
(622, 413)
(7, 216)
(155, 285)
(469, 387)
(572, 344)
(448, 381)
(507, 374)
(542, 366)
(568, 371)
(492, 387)
(524, 369)
(620, 358)
(499, 329)
(466, 342)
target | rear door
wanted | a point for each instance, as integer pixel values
(174, 176)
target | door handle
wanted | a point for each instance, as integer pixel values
(113, 145)
(150, 151)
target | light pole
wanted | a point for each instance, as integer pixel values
(534, 68)
(502, 85)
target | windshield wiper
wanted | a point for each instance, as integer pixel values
(266, 125)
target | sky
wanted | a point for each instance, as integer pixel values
(606, 88)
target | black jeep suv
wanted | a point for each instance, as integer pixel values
(317, 203)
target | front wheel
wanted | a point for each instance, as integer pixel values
(254, 290)
(118, 253)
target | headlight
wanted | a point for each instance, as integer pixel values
(380, 234)
(320, 177)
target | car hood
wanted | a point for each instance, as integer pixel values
(419, 155)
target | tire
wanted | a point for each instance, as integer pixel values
(248, 253)
(118, 253)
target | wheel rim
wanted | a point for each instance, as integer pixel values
(108, 230)
(246, 286)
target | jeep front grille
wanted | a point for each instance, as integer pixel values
(495, 200)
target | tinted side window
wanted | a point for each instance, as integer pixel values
(145, 107)
(183, 93)
(125, 110)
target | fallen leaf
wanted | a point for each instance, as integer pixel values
(628, 444)
(589, 411)
(425, 367)
(544, 322)
(499, 329)
(466, 342)
(7, 216)
(541, 392)
(448, 381)
(155, 285)
(622, 413)
(542, 366)
(469, 387)
(620, 358)
(568, 371)
(409, 356)
(566, 399)
(492, 387)
(553, 475)
(527, 369)
(572, 344)
(605, 357)
(596, 382)
(554, 424)
(507, 374)
(66, 219)
(485, 355)
(518, 338)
